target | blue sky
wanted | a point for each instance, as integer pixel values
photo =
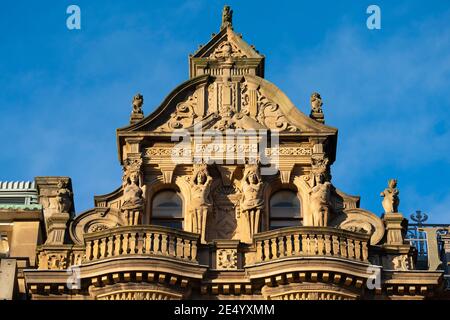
(63, 93)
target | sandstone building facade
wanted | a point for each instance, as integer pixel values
(226, 193)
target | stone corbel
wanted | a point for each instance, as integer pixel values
(167, 170)
(227, 173)
(285, 171)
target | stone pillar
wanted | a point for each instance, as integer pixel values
(446, 240)
(56, 198)
(57, 225)
(7, 278)
(395, 228)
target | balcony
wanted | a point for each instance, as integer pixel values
(311, 241)
(141, 240)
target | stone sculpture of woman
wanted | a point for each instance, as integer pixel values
(252, 198)
(390, 194)
(200, 198)
(132, 193)
(319, 202)
(133, 201)
(63, 197)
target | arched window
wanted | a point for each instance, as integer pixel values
(284, 209)
(167, 210)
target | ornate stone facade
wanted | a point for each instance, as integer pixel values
(226, 192)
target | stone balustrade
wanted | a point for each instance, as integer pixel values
(311, 241)
(141, 240)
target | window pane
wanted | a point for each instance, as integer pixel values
(175, 224)
(276, 224)
(285, 204)
(167, 204)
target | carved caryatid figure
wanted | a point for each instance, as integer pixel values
(63, 197)
(390, 194)
(200, 198)
(252, 197)
(132, 193)
(138, 101)
(227, 17)
(319, 202)
(133, 202)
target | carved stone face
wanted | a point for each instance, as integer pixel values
(134, 178)
(201, 178)
(253, 178)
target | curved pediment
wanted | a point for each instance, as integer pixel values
(94, 220)
(208, 102)
(363, 221)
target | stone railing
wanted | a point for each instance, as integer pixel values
(308, 241)
(141, 240)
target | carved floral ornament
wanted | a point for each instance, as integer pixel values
(226, 259)
(229, 105)
(226, 50)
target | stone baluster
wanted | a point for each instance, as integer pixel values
(133, 243)
(103, 247)
(297, 247)
(343, 243)
(327, 244)
(147, 243)
(289, 245)
(171, 246)
(357, 250)
(179, 250)
(274, 248)
(194, 251)
(259, 251)
(164, 250)
(305, 247)
(110, 250)
(140, 242)
(125, 244)
(186, 249)
(350, 248)
(156, 243)
(281, 249)
(266, 250)
(365, 252)
(88, 250)
(313, 244)
(95, 250)
(335, 246)
(117, 244)
(320, 244)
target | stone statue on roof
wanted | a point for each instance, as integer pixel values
(227, 17)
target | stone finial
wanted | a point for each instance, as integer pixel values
(390, 194)
(316, 108)
(227, 17)
(137, 113)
